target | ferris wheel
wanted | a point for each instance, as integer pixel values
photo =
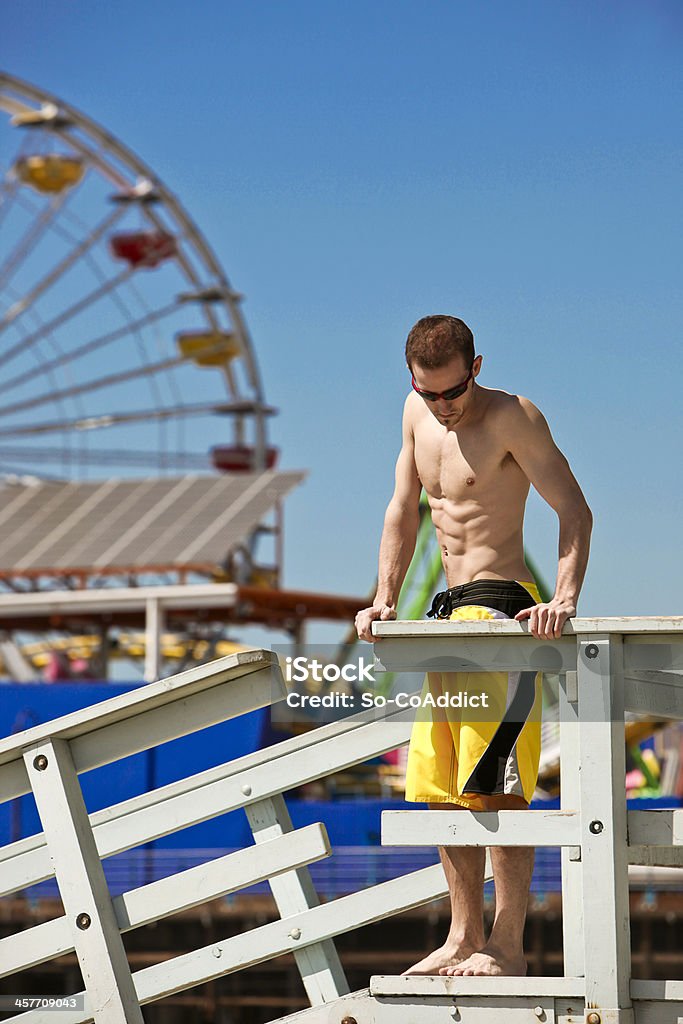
(123, 348)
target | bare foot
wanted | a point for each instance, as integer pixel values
(443, 958)
(487, 965)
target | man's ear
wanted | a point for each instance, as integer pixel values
(476, 365)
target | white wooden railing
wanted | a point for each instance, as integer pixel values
(47, 760)
(606, 666)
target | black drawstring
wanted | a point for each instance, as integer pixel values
(442, 605)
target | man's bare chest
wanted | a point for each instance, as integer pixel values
(462, 465)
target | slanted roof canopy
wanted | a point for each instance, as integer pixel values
(137, 526)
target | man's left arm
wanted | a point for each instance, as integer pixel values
(533, 448)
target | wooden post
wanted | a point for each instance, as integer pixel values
(82, 886)
(604, 852)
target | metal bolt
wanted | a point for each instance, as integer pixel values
(246, 789)
(539, 1011)
(592, 651)
(83, 922)
(40, 763)
(217, 951)
(593, 1018)
(348, 1020)
(295, 933)
(596, 827)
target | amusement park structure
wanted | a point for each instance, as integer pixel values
(134, 446)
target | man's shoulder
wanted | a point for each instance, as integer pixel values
(510, 408)
(413, 408)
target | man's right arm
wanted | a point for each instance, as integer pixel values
(398, 536)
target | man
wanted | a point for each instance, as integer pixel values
(476, 450)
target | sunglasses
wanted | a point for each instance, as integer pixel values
(449, 395)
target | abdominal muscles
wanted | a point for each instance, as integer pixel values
(481, 540)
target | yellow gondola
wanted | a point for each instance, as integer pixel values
(208, 348)
(50, 172)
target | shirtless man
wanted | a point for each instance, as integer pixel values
(476, 450)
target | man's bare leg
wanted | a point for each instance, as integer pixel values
(464, 870)
(513, 866)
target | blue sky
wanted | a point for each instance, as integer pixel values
(356, 166)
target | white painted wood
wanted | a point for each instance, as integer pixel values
(274, 939)
(654, 652)
(644, 989)
(167, 896)
(410, 629)
(569, 695)
(154, 627)
(357, 1005)
(655, 1013)
(319, 965)
(653, 693)
(655, 856)
(213, 792)
(315, 925)
(437, 1010)
(82, 886)
(110, 599)
(617, 624)
(655, 827)
(572, 889)
(435, 985)
(35, 945)
(472, 652)
(652, 678)
(481, 828)
(606, 930)
(471, 1010)
(235, 697)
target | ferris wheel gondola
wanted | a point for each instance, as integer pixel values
(123, 347)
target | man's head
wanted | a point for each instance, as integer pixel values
(435, 340)
(441, 359)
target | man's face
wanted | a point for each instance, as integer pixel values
(448, 412)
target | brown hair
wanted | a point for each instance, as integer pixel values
(435, 340)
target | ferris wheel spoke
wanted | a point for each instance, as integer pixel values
(8, 197)
(30, 239)
(170, 376)
(240, 408)
(92, 385)
(89, 346)
(69, 260)
(57, 321)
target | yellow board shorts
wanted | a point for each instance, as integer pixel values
(456, 758)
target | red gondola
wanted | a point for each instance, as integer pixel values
(239, 458)
(143, 248)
